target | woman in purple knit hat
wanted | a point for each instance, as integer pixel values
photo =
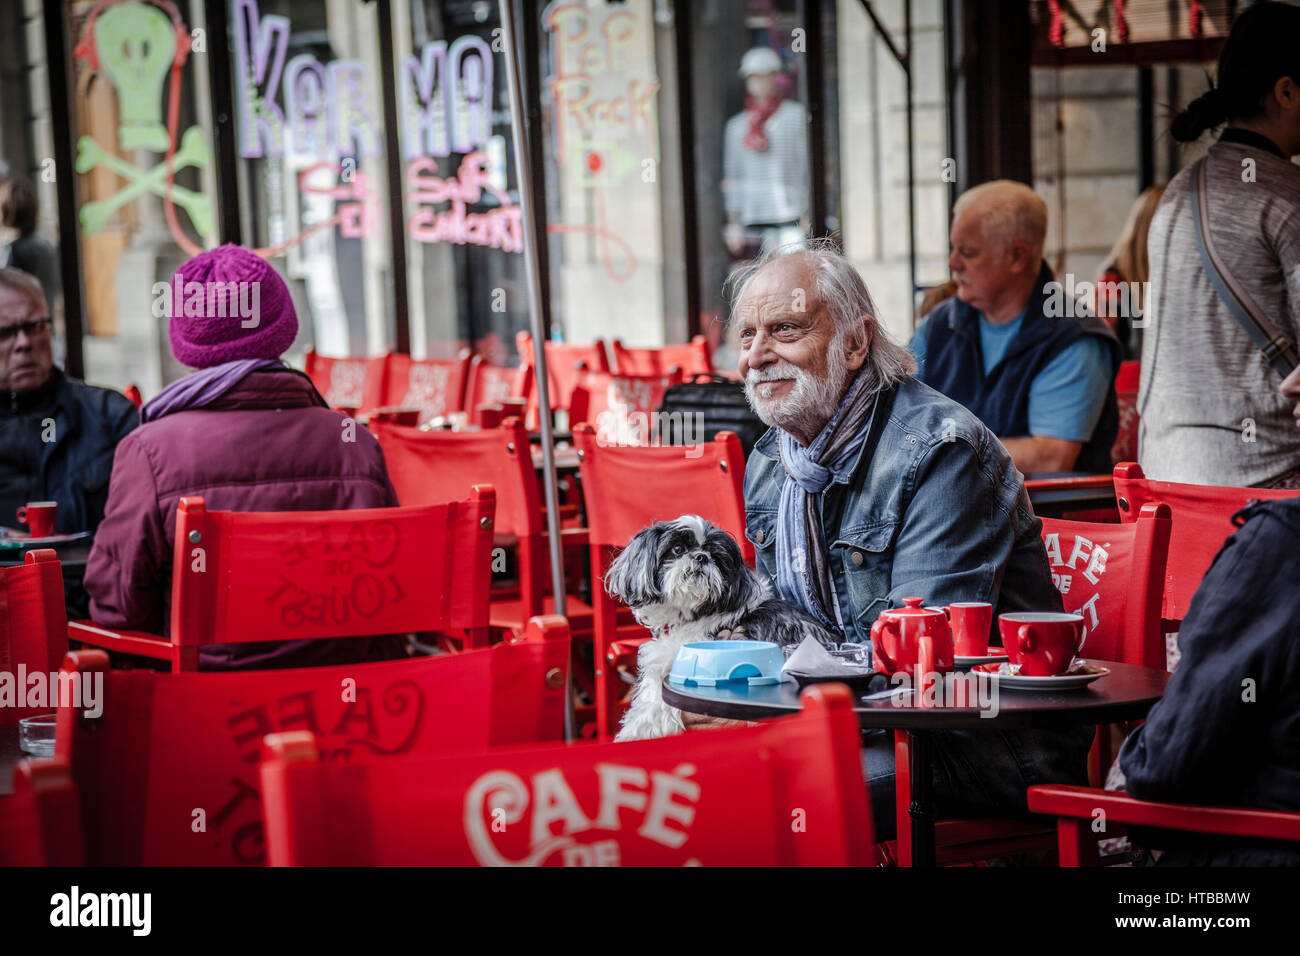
(247, 433)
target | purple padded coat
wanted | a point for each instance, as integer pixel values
(268, 444)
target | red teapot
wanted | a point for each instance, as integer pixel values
(912, 638)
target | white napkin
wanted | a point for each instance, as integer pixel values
(811, 657)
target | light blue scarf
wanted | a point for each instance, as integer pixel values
(802, 558)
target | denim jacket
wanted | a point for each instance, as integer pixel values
(938, 511)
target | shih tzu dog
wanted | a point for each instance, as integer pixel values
(685, 580)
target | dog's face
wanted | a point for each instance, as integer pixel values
(687, 566)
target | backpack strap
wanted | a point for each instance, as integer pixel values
(1278, 350)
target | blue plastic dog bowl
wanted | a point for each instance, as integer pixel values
(709, 663)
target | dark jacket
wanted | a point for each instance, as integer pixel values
(56, 444)
(1227, 731)
(268, 444)
(954, 366)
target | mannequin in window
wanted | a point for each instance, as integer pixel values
(765, 163)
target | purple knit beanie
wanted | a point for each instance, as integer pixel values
(240, 309)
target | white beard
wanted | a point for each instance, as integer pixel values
(812, 400)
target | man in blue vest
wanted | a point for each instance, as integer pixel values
(1030, 363)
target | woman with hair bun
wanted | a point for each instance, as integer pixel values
(1211, 408)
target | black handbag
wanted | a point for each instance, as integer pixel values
(697, 410)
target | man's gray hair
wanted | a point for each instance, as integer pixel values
(1009, 212)
(841, 290)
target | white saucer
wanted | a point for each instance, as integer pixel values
(1073, 681)
(989, 658)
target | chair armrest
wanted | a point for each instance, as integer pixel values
(1071, 482)
(1119, 807)
(540, 629)
(624, 651)
(126, 642)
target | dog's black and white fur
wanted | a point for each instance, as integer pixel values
(686, 581)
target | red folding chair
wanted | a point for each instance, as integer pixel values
(40, 822)
(434, 467)
(622, 408)
(347, 383)
(1202, 521)
(33, 624)
(1076, 811)
(492, 384)
(564, 365)
(1126, 396)
(1113, 575)
(692, 358)
(240, 577)
(788, 793)
(167, 775)
(615, 480)
(434, 386)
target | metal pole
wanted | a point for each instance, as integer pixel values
(393, 160)
(216, 15)
(58, 69)
(519, 133)
(911, 156)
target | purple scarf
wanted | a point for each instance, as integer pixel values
(203, 387)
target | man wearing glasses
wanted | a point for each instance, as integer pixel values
(57, 435)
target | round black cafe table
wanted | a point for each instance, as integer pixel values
(72, 554)
(1126, 693)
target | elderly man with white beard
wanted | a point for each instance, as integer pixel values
(870, 487)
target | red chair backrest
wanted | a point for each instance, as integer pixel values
(705, 479)
(787, 793)
(168, 745)
(433, 467)
(40, 822)
(440, 466)
(1113, 574)
(693, 358)
(626, 488)
(33, 627)
(1202, 521)
(347, 382)
(621, 407)
(274, 576)
(564, 363)
(490, 384)
(434, 386)
(1126, 396)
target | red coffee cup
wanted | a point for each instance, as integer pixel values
(1043, 643)
(970, 622)
(39, 517)
(911, 639)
